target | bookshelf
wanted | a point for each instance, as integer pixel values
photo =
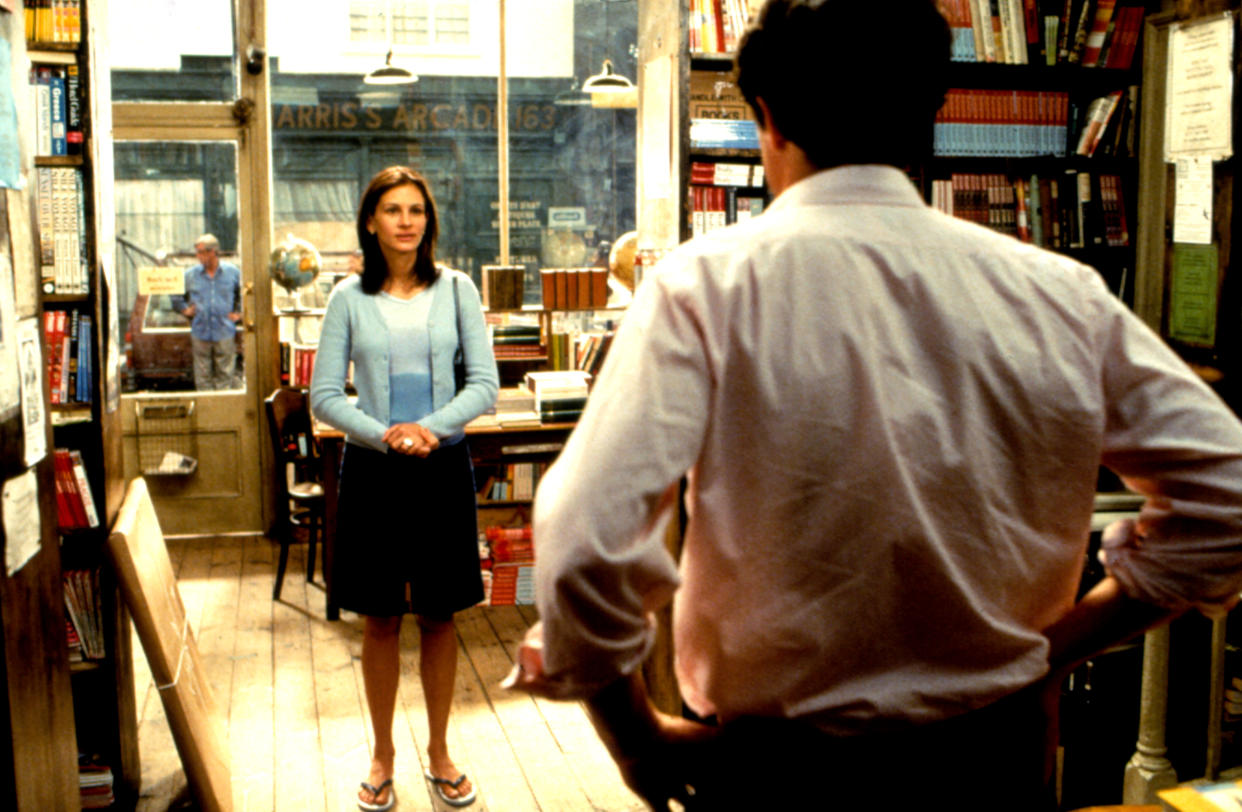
(1039, 135)
(697, 143)
(69, 126)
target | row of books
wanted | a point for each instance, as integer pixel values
(56, 96)
(67, 337)
(590, 349)
(53, 21)
(1090, 33)
(1077, 209)
(512, 482)
(574, 288)
(1025, 123)
(724, 133)
(725, 173)
(297, 363)
(75, 505)
(716, 26)
(713, 207)
(508, 585)
(82, 603)
(63, 255)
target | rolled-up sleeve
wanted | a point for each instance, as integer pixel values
(1171, 439)
(602, 509)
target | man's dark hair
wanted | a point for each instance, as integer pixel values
(848, 81)
(374, 266)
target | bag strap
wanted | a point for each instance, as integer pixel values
(460, 356)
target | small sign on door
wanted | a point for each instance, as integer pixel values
(157, 281)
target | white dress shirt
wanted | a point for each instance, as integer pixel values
(892, 421)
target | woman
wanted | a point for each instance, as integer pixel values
(407, 536)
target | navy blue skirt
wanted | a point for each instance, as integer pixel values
(407, 522)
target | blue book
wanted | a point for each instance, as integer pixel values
(85, 372)
(58, 111)
(720, 133)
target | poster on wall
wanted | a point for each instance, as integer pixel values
(1199, 110)
(19, 504)
(30, 362)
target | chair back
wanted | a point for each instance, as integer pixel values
(293, 441)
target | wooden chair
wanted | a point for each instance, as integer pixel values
(299, 488)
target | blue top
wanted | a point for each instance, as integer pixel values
(214, 298)
(409, 367)
(354, 330)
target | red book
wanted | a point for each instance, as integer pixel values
(75, 513)
(1099, 29)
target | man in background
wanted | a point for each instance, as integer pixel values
(891, 422)
(212, 302)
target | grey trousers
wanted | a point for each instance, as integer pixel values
(214, 363)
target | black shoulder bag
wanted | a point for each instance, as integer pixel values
(459, 357)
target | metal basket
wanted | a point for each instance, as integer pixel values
(165, 436)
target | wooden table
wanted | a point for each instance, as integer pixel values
(488, 444)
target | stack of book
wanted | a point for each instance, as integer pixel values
(56, 95)
(507, 556)
(574, 288)
(1072, 209)
(1090, 33)
(560, 395)
(53, 21)
(82, 601)
(516, 341)
(75, 505)
(590, 349)
(716, 26)
(62, 230)
(95, 784)
(1004, 123)
(67, 343)
(515, 482)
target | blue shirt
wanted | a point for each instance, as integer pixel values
(409, 362)
(214, 298)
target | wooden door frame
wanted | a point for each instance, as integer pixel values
(247, 122)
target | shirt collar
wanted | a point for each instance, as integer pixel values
(866, 184)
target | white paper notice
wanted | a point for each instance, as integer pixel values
(22, 527)
(1192, 207)
(30, 362)
(1198, 114)
(657, 155)
(10, 381)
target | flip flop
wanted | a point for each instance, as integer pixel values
(461, 800)
(384, 807)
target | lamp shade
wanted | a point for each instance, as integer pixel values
(389, 74)
(607, 82)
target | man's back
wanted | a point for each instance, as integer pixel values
(892, 478)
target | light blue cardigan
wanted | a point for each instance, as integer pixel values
(354, 330)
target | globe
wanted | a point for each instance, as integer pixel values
(295, 263)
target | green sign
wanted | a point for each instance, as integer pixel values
(1192, 297)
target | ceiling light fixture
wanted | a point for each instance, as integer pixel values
(389, 74)
(607, 82)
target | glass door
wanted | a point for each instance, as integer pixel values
(190, 163)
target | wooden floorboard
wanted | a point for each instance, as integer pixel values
(289, 686)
